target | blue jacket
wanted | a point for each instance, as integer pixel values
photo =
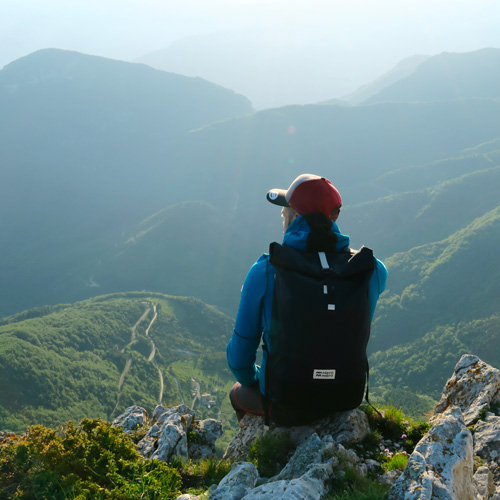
(254, 312)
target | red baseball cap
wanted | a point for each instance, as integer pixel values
(307, 194)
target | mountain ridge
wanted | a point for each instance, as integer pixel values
(447, 76)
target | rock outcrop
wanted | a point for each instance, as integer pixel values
(344, 427)
(473, 387)
(315, 462)
(173, 432)
(441, 466)
(458, 458)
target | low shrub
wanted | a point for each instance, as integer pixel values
(88, 461)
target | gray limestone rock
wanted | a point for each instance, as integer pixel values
(240, 481)
(343, 427)
(483, 483)
(307, 453)
(441, 465)
(168, 436)
(309, 486)
(185, 411)
(440, 468)
(307, 474)
(390, 477)
(173, 439)
(147, 445)
(473, 387)
(204, 435)
(487, 439)
(131, 419)
(251, 427)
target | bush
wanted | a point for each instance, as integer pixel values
(90, 461)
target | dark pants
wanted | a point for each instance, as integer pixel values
(246, 400)
(249, 400)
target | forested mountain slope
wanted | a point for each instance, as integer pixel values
(95, 358)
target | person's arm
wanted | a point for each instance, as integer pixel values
(242, 348)
(378, 282)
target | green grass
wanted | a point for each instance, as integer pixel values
(353, 486)
(397, 461)
(270, 453)
(393, 424)
(198, 475)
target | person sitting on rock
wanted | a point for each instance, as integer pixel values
(310, 208)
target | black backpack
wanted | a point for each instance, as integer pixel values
(320, 326)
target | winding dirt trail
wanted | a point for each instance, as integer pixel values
(151, 357)
(128, 364)
(197, 395)
(152, 354)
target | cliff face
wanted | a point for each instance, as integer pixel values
(457, 459)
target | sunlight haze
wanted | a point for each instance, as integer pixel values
(292, 51)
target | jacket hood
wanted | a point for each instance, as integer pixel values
(296, 235)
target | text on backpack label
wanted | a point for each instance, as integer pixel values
(324, 374)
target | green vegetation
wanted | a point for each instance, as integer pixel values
(198, 475)
(353, 486)
(270, 453)
(390, 423)
(94, 460)
(65, 363)
(397, 461)
(393, 424)
(91, 461)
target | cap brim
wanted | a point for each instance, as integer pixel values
(277, 197)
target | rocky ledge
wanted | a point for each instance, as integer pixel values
(457, 459)
(172, 432)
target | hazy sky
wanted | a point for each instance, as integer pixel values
(372, 34)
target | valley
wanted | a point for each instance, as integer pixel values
(154, 185)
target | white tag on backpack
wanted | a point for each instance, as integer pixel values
(324, 374)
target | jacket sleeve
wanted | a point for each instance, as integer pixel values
(377, 283)
(242, 348)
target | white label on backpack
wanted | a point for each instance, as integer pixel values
(324, 374)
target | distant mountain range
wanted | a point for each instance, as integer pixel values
(447, 77)
(116, 177)
(400, 71)
(268, 69)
